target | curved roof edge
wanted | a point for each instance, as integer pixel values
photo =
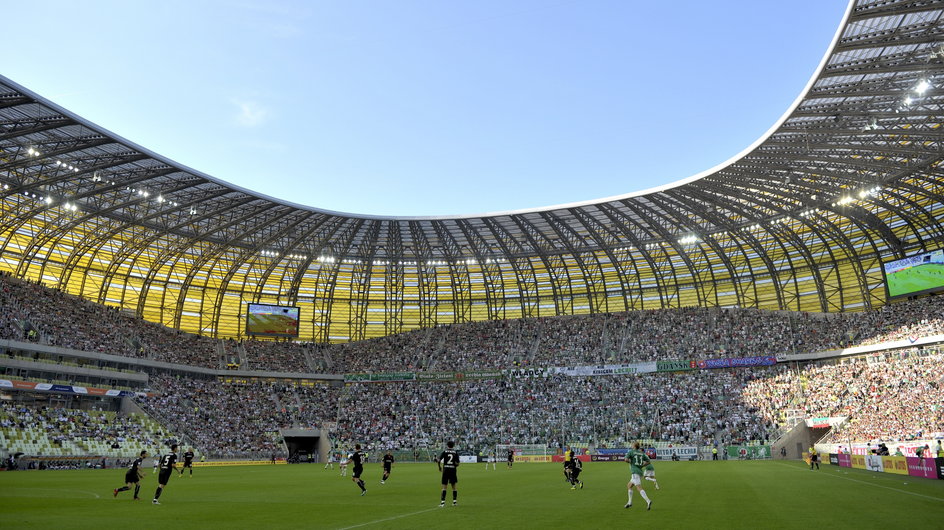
(719, 167)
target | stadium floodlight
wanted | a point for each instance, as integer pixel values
(922, 86)
(908, 100)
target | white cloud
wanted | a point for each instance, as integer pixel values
(249, 113)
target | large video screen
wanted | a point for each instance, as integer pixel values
(272, 320)
(918, 274)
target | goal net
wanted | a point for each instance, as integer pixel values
(524, 452)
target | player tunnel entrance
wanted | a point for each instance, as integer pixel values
(305, 445)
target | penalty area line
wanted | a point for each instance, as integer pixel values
(389, 519)
(886, 487)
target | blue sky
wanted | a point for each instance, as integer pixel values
(427, 107)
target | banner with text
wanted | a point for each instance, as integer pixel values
(68, 389)
(921, 467)
(607, 458)
(895, 464)
(384, 377)
(858, 461)
(529, 372)
(685, 452)
(606, 369)
(458, 376)
(674, 366)
(734, 362)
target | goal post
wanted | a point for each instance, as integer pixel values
(524, 452)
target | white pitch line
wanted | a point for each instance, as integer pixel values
(884, 487)
(389, 519)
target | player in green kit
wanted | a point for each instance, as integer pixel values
(637, 460)
(649, 473)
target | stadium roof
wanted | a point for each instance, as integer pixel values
(801, 220)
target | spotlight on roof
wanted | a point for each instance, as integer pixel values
(922, 87)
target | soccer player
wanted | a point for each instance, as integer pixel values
(637, 460)
(814, 458)
(188, 462)
(493, 458)
(133, 476)
(330, 462)
(650, 474)
(358, 458)
(168, 465)
(576, 466)
(511, 458)
(447, 463)
(387, 465)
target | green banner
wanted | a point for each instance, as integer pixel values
(748, 452)
(673, 366)
(436, 376)
(482, 374)
(458, 376)
(381, 377)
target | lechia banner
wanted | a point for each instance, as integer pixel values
(674, 366)
(683, 451)
(529, 372)
(606, 369)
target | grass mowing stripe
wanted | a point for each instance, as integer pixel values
(378, 521)
(941, 499)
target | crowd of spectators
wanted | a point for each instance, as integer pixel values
(75, 426)
(888, 396)
(237, 420)
(694, 408)
(689, 333)
(898, 397)
(31, 311)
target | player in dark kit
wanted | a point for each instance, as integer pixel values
(188, 462)
(576, 466)
(358, 458)
(167, 466)
(133, 476)
(511, 458)
(447, 463)
(388, 466)
(568, 463)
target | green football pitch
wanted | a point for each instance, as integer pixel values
(722, 494)
(916, 279)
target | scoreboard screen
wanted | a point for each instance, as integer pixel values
(917, 274)
(272, 320)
